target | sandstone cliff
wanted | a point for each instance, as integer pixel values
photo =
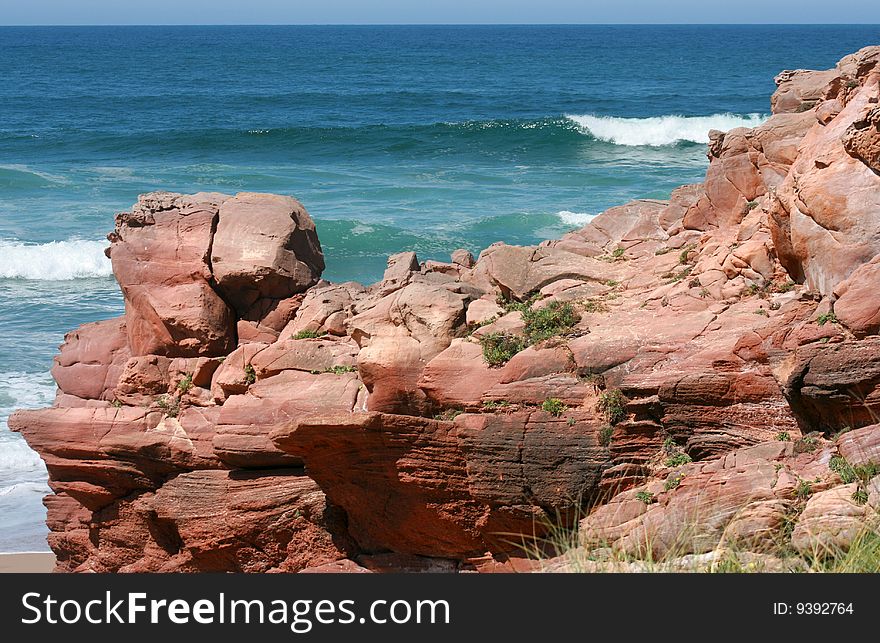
(676, 375)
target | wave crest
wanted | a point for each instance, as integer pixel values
(579, 219)
(661, 130)
(53, 261)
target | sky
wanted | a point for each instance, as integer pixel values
(154, 12)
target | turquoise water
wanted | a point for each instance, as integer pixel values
(395, 138)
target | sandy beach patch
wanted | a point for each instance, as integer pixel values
(31, 563)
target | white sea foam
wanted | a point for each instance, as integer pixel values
(579, 219)
(53, 261)
(24, 488)
(21, 390)
(362, 228)
(661, 130)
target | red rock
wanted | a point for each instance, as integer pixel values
(143, 379)
(344, 566)
(324, 309)
(318, 355)
(519, 271)
(458, 377)
(858, 299)
(398, 336)
(265, 250)
(800, 89)
(448, 490)
(236, 372)
(245, 522)
(91, 360)
(822, 219)
(245, 421)
(159, 253)
(401, 266)
(463, 258)
(740, 499)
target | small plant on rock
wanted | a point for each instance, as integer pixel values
(594, 306)
(672, 482)
(860, 496)
(803, 490)
(341, 369)
(498, 348)
(825, 318)
(678, 460)
(170, 405)
(448, 415)
(613, 404)
(605, 434)
(185, 384)
(839, 465)
(250, 374)
(783, 436)
(645, 496)
(512, 305)
(554, 406)
(309, 334)
(553, 319)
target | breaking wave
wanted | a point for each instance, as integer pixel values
(655, 131)
(579, 219)
(53, 261)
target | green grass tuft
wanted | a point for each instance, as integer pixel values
(825, 318)
(185, 384)
(553, 319)
(678, 460)
(498, 348)
(803, 490)
(309, 334)
(613, 405)
(554, 406)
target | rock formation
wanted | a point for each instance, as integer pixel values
(676, 376)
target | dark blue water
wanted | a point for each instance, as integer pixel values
(395, 138)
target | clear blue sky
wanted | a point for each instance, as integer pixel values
(67, 12)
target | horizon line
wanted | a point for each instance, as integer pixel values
(451, 24)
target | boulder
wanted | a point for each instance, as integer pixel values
(265, 250)
(159, 253)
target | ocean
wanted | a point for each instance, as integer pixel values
(395, 138)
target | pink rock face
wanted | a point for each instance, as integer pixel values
(743, 164)
(160, 252)
(824, 220)
(858, 299)
(742, 498)
(92, 359)
(862, 139)
(265, 250)
(450, 490)
(800, 89)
